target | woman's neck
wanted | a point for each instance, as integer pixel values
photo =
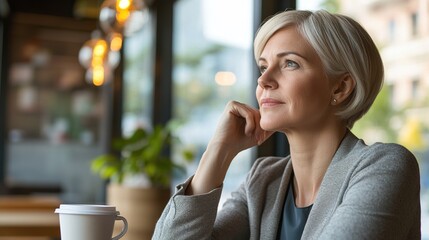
(311, 154)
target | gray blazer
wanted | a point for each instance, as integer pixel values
(368, 192)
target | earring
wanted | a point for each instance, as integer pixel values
(335, 101)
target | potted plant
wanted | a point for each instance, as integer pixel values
(140, 175)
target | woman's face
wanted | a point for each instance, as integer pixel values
(293, 91)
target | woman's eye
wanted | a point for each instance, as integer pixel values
(291, 64)
(262, 69)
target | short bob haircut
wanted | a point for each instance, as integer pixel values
(343, 46)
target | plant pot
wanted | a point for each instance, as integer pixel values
(142, 208)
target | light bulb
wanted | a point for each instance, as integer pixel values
(127, 16)
(115, 41)
(123, 5)
(100, 48)
(98, 75)
(95, 47)
(97, 52)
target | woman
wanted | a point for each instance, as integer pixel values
(320, 72)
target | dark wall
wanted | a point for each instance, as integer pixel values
(46, 7)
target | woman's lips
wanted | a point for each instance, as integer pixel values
(270, 102)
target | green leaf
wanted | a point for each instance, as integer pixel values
(143, 152)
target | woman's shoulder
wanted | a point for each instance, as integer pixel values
(387, 155)
(358, 158)
(391, 150)
(354, 147)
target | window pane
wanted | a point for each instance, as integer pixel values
(212, 65)
(138, 83)
(400, 112)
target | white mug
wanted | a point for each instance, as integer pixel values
(89, 222)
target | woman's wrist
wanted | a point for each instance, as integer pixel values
(211, 170)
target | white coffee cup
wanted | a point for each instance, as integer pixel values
(89, 222)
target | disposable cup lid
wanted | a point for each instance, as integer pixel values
(87, 209)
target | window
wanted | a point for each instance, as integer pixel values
(138, 80)
(206, 45)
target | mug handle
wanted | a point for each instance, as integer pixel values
(124, 228)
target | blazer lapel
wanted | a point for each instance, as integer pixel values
(330, 187)
(278, 195)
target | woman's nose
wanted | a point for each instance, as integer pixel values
(267, 80)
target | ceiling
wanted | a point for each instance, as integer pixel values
(65, 8)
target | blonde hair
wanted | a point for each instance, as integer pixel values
(343, 46)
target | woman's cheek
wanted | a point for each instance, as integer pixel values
(258, 94)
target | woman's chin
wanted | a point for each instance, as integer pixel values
(266, 126)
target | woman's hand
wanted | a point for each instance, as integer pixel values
(238, 129)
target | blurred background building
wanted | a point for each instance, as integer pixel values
(400, 29)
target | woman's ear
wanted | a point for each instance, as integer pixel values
(343, 87)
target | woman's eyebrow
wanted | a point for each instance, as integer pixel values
(282, 54)
(285, 53)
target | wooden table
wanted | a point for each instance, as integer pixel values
(36, 223)
(29, 216)
(24, 203)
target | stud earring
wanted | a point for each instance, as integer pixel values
(335, 101)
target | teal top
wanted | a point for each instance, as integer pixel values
(294, 218)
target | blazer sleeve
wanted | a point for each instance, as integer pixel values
(381, 199)
(188, 217)
(196, 217)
